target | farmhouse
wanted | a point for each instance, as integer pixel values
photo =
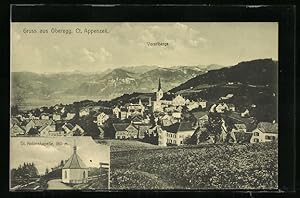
(265, 132)
(74, 171)
(125, 130)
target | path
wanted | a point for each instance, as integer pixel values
(56, 184)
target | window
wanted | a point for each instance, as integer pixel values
(255, 140)
(181, 142)
(267, 137)
(273, 138)
(256, 134)
(66, 175)
(83, 174)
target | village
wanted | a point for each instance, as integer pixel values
(162, 120)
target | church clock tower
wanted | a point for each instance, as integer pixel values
(159, 93)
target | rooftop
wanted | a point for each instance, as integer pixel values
(179, 127)
(74, 162)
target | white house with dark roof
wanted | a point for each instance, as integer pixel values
(74, 171)
(175, 134)
(125, 131)
(265, 132)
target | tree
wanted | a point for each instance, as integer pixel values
(14, 110)
(214, 125)
(62, 163)
(33, 132)
(47, 171)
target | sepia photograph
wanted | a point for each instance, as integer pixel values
(60, 163)
(151, 106)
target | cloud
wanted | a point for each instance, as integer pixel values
(105, 55)
(178, 34)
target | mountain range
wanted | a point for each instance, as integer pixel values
(33, 89)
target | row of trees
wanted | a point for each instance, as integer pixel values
(219, 127)
(25, 171)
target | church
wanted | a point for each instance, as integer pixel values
(74, 171)
(160, 104)
(157, 104)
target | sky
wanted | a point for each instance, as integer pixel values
(126, 44)
(47, 156)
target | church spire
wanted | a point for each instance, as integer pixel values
(74, 149)
(159, 84)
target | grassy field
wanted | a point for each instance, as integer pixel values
(126, 145)
(248, 166)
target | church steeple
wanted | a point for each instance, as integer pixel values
(159, 84)
(159, 93)
(74, 149)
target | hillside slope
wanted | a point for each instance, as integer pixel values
(249, 166)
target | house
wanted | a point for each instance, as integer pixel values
(202, 103)
(70, 130)
(167, 120)
(135, 109)
(17, 130)
(192, 105)
(138, 119)
(40, 125)
(56, 116)
(70, 116)
(175, 134)
(44, 131)
(265, 132)
(231, 107)
(178, 101)
(176, 115)
(84, 112)
(221, 108)
(125, 131)
(202, 118)
(236, 118)
(155, 135)
(246, 113)
(123, 113)
(117, 112)
(226, 97)
(74, 171)
(240, 128)
(243, 137)
(142, 130)
(101, 118)
(45, 116)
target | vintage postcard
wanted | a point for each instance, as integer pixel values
(183, 106)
